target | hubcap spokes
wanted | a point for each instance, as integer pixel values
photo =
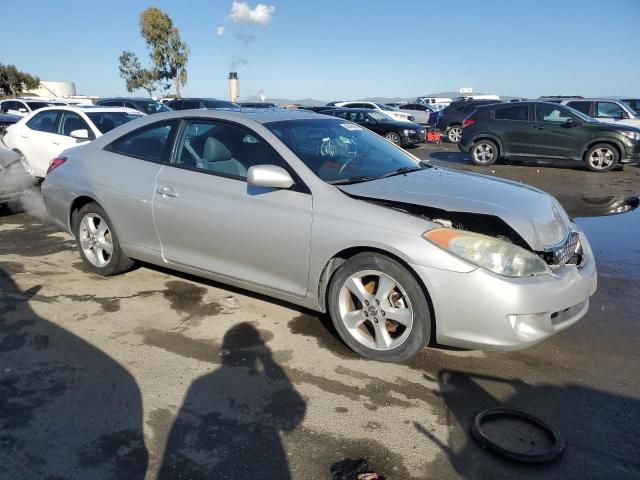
(602, 158)
(376, 310)
(95, 240)
(455, 134)
(483, 153)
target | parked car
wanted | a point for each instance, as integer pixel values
(381, 107)
(45, 133)
(547, 131)
(421, 112)
(450, 119)
(397, 105)
(438, 102)
(195, 103)
(144, 105)
(15, 179)
(21, 107)
(322, 213)
(468, 98)
(401, 133)
(257, 105)
(7, 119)
(605, 110)
(633, 103)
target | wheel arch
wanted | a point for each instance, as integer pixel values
(332, 265)
(75, 207)
(609, 141)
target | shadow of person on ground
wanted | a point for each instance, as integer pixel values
(67, 410)
(600, 428)
(230, 422)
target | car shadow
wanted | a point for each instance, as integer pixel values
(230, 422)
(67, 410)
(599, 427)
(462, 158)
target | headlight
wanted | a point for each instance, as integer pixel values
(631, 135)
(408, 132)
(496, 255)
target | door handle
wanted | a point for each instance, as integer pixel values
(538, 127)
(167, 192)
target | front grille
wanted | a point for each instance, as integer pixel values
(565, 252)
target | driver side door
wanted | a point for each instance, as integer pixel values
(552, 137)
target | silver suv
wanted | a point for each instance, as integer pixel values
(603, 109)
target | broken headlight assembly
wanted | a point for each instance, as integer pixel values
(493, 254)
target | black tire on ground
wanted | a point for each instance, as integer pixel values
(118, 262)
(454, 133)
(394, 138)
(484, 153)
(602, 157)
(420, 332)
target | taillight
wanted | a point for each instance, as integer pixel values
(55, 163)
(467, 122)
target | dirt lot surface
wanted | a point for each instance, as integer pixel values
(153, 374)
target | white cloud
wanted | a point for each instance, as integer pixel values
(220, 31)
(241, 12)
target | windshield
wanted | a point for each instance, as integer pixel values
(37, 105)
(105, 121)
(379, 116)
(581, 116)
(634, 104)
(155, 107)
(338, 151)
(385, 107)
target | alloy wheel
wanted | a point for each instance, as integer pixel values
(375, 310)
(393, 137)
(455, 134)
(483, 153)
(602, 158)
(95, 240)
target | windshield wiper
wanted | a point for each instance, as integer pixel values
(356, 179)
(366, 178)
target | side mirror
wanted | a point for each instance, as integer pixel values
(82, 134)
(269, 176)
(624, 116)
(571, 123)
(23, 110)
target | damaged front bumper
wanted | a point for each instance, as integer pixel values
(484, 311)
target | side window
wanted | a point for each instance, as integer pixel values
(44, 122)
(342, 114)
(583, 107)
(223, 149)
(551, 114)
(151, 143)
(189, 104)
(175, 104)
(130, 105)
(408, 107)
(72, 121)
(608, 110)
(520, 112)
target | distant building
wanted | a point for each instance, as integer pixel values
(54, 89)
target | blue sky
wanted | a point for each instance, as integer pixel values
(345, 49)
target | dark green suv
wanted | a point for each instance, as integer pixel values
(546, 131)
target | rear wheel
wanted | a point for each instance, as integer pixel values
(393, 137)
(484, 152)
(98, 243)
(378, 308)
(601, 158)
(454, 133)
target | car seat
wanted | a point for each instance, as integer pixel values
(217, 157)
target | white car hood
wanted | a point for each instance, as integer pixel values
(536, 216)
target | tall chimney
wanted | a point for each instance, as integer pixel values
(234, 86)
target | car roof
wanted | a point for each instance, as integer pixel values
(90, 109)
(131, 99)
(260, 115)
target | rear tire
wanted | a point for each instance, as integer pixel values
(388, 317)
(98, 242)
(454, 133)
(601, 158)
(484, 153)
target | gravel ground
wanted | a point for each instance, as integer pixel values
(154, 374)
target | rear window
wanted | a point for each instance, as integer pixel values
(106, 121)
(155, 107)
(583, 107)
(37, 105)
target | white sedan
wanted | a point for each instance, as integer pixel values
(47, 132)
(381, 107)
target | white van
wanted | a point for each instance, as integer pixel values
(438, 102)
(464, 98)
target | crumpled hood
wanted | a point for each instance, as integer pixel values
(536, 216)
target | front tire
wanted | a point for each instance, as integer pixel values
(454, 133)
(601, 158)
(98, 242)
(378, 308)
(484, 153)
(393, 137)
